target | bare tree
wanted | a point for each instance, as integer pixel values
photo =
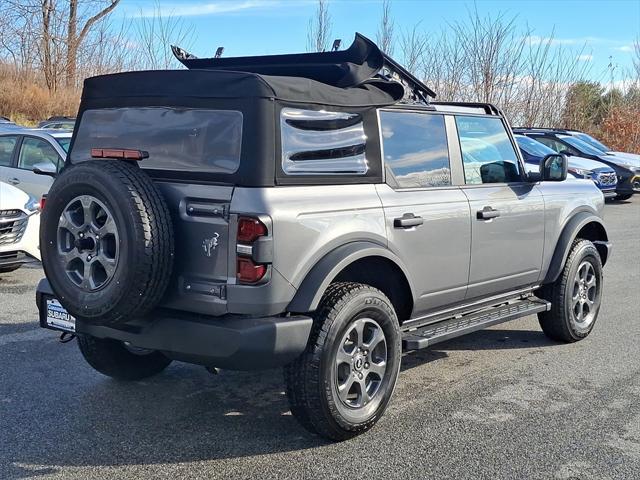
(319, 32)
(384, 36)
(75, 39)
(48, 35)
(413, 44)
(154, 35)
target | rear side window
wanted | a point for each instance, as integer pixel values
(322, 143)
(34, 151)
(415, 149)
(488, 155)
(7, 144)
(176, 139)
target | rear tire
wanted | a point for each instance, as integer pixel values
(113, 359)
(575, 296)
(341, 385)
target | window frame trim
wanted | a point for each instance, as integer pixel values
(452, 161)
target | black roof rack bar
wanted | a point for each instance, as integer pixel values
(545, 129)
(490, 108)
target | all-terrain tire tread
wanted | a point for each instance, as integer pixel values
(302, 377)
(553, 322)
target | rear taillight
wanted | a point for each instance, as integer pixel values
(43, 200)
(249, 272)
(249, 231)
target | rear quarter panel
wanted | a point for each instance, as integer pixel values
(310, 221)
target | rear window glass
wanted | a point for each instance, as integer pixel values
(64, 143)
(193, 140)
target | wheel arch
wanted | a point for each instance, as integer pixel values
(582, 225)
(363, 262)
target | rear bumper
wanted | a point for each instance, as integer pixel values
(230, 342)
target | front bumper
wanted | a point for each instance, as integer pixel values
(14, 258)
(230, 342)
(19, 239)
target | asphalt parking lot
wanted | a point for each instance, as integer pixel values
(502, 403)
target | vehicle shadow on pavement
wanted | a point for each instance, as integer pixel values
(78, 418)
(481, 340)
(182, 415)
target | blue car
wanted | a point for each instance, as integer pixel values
(602, 175)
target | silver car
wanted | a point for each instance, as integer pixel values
(23, 149)
(322, 217)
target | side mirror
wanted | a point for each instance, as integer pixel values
(45, 168)
(553, 168)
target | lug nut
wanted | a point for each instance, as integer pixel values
(366, 365)
(81, 235)
(360, 376)
(89, 257)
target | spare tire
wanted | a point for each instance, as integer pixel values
(107, 241)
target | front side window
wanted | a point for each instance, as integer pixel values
(580, 146)
(533, 147)
(34, 151)
(557, 146)
(176, 139)
(7, 144)
(488, 155)
(415, 149)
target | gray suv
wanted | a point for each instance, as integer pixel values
(312, 211)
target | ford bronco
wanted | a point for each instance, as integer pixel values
(314, 211)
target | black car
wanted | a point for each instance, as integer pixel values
(562, 141)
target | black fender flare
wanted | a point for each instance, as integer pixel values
(328, 267)
(566, 238)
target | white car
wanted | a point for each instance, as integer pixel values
(19, 228)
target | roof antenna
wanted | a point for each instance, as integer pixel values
(219, 52)
(336, 45)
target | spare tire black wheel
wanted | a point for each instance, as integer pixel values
(107, 241)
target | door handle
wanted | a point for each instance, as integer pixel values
(407, 220)
(487, 213)
(13, 181)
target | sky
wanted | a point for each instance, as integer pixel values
(601, 32)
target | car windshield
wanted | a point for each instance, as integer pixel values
(592, 141)
(533, 147)
(64, 143)
(581, 146)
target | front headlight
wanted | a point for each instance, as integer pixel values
(581, 172)
(32, 205)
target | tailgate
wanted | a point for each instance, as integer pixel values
(201, 270)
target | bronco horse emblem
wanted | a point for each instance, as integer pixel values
(210, 244)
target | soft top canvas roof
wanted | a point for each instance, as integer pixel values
(174, 85)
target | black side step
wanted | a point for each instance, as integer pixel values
(428, 335)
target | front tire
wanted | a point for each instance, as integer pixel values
(575, 296)
(113, 359)
(341, 385)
